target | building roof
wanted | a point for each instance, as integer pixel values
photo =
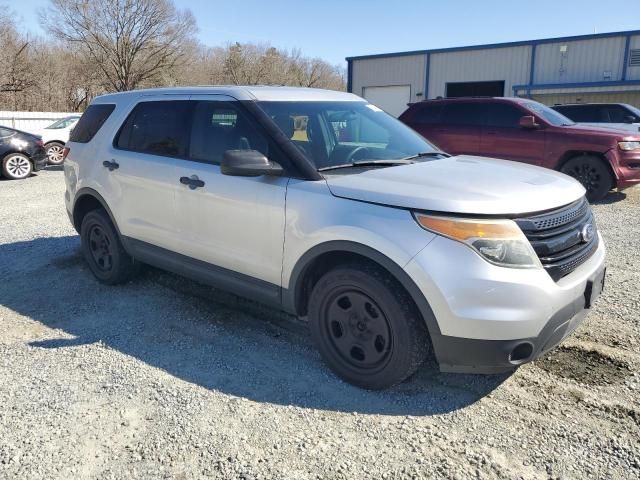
(539, 41)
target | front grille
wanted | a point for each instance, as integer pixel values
(558, 237)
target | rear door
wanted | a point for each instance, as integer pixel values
(236, 223)
(502, 137)
(460, 128)
(141, 166)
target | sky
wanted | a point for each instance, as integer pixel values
(335, 29)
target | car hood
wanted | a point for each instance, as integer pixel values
(461, 184)
(608, 130)
(627, 127)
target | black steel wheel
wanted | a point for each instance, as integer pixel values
(366, 326)
(103, 250)
(592, 173)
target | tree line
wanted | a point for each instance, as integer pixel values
(101, 46)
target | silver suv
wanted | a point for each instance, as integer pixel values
(321, 204)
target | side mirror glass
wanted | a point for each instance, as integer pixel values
(528, 121)
(248, 163)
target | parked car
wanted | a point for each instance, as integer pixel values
(321, 204)
(22, 153)
(527, 131)
(614, 115)
(55, 136)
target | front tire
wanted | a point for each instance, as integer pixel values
(594, 175)
(55, 153)
(103, 250)
(16, 166)
(366, 327)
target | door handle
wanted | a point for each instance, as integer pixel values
(112, 165)
(192, 182)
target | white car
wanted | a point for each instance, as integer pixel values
(321, 204)
(55, 136)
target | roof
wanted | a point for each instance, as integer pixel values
(538, 41)
(252, 92)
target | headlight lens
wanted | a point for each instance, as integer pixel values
(628, 146)
(500, 242)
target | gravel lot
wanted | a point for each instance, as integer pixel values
(165, 378)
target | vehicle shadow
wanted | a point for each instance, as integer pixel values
(203, 336)
(612, 197)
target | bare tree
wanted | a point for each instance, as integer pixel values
(131, 42)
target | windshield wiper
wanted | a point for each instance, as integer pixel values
(369, 163)
(436, 153)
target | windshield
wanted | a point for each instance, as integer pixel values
(63, 123)
(549, 114)
(338, 133)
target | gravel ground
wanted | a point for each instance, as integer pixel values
(165, 378)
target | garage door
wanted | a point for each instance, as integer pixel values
(392, 100)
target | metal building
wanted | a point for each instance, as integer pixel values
(588, 68)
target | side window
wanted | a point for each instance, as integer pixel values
(504, 115)
(221, 126)
(158, 128)
(617, 114)
(92, 119)
(428, 114)
(458, 113)
(586, 113)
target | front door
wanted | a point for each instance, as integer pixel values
(502, 137)
(235, 223)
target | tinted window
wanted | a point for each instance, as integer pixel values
(90, 122)
(221, 126)
(158, 128)
(429, 113)
(464, 114)
(617, 114)
(504, 115)
(5, 132)
(583, 113)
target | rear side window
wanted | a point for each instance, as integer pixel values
(504, 115)
(157, 128)
(92, 119)
(464, 113)
(429, 113)
(584, 113)
(5, 132)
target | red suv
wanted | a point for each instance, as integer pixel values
(527, 131)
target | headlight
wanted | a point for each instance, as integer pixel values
(500, 242)
(627, 146)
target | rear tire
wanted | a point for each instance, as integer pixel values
(366, 326)
(55, 153)
(16, 166)
(103, 250)
(594, 175)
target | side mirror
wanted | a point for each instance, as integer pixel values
(630, 119)
(248, 163)
(529, 121)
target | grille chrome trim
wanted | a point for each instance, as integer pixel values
(556, 237)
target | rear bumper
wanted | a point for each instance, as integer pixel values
(39, 160)
(626, 166)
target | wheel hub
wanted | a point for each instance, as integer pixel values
(18, 166)
(100, 247)
(358, 329)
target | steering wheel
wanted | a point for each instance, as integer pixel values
(354, 152)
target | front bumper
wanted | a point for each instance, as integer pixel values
(626, 166)
(491, 319)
